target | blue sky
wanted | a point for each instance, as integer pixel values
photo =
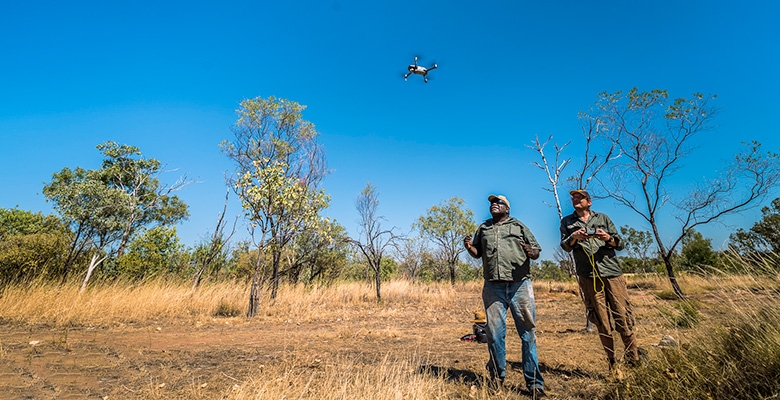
(167, 77)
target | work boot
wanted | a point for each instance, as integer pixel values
(641, 361)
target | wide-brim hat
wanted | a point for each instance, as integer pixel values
(479, 317)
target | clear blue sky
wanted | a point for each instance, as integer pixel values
(167, 76)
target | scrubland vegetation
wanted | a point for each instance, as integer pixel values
(379, 302)
(727, 333)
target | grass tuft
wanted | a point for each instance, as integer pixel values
(735, 356)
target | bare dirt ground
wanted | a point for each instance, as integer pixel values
(206, 360)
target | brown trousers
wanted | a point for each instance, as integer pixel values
(606, 302)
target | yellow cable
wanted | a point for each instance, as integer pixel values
(592, 260)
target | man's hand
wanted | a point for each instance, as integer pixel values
(533, 253)
(580, 234)
(473, 251)
(603, 235)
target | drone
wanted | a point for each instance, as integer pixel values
(419, 70)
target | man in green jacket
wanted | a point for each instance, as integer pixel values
(507, 247)
(593, 239)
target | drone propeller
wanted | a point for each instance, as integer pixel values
(416, 58)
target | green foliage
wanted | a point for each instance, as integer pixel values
(637, 245)
(446, 225)
(31, 245)
(14, 221)
(389, 268)
(279, 167)
(416, 260)
(126, 170)
(153, 253)
(697, 253)
(764, 235)
(549, 270)
(318, 254)
(468, 272)
(93, 210)
(106, 207)
(684, 313)
(246, 260)
(220, 265)
(735, 360)
(284, 204)
(630, 265)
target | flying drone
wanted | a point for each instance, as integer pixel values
(419, 70)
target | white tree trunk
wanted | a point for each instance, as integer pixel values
(92, 265)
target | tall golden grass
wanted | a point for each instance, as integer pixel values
(733, 356)
(731, 351)
(124, 302)
(390, 379)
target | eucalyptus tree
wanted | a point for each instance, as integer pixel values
(279, 170)
(319, 253)
(637, 243)
(764, 236)
(95, 212)
(105, 207)
(446, 224)
(654, 136)
(148, 201)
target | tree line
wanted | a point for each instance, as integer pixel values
(119, 221)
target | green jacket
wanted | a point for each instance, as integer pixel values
(503, 259)
(604, 256)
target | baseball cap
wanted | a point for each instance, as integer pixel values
(493, 197)
(580, 191)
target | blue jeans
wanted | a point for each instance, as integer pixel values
(519, 298)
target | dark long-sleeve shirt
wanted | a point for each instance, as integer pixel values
(592, 253)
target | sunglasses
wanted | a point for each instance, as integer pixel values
(498, 201)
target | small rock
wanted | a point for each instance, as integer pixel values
(668, 341)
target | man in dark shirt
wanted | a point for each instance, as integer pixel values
(593, 239)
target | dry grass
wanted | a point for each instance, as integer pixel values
(728, 322)
(390, 379)
(112, 304)
(122, 303)
(733, 350)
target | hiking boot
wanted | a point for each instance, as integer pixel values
(641, 361)
(538, 393)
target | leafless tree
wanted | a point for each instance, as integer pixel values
(553, 172)
(410, 255)
(374, 240)
(216, 245)
(591, 166)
